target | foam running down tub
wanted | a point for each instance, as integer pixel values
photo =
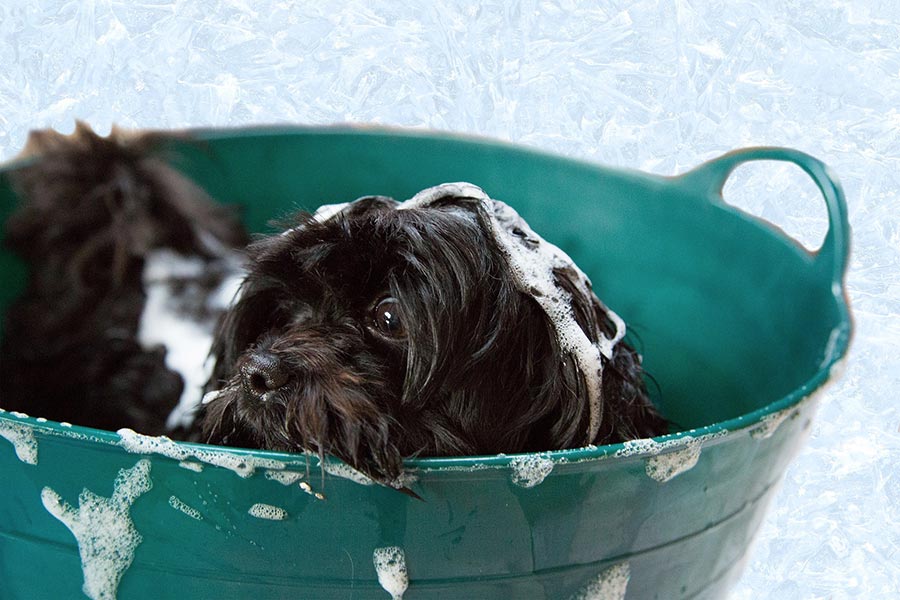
(740, 326)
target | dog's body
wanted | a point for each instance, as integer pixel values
(127, 261)
(371, 331)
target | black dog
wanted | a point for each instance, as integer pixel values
(128, 263)
(441, 326)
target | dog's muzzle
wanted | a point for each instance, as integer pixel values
(262, 373)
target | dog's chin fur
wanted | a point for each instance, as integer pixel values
(479, 369)
(94, 208)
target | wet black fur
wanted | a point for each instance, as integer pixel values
(479, 371)
(93, 208)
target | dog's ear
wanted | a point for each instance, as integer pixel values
(590, 315)
(627, 411)
(594, 321)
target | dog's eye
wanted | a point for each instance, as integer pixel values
(387, 318)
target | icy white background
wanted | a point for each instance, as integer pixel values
(654, 85)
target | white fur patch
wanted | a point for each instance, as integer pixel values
(187, 340)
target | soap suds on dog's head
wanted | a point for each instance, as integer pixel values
(533, 262)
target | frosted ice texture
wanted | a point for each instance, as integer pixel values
(652, 85)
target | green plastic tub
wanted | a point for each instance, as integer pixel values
(739, 325)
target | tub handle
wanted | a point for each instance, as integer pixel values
(833, 256)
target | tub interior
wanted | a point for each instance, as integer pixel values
(729, 318)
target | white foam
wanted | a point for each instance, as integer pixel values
(191, 466)
(211, 396)
(103, 528)
(327, 211)
(610, 584)
(23, 440)
(404, 480)
(284, 477)
(666, 466)
(533, 261)
(650, 446)
(179, 505)
(244, 466)
(770, 423)
(267, 511)
(339, 469)
(671, 457)
(529, 471)
(390, 564)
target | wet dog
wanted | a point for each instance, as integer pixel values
(440, 326)
(130, 264)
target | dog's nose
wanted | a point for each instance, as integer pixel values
(261, 373)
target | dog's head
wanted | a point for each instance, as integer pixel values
(439, 326)
(97, 205)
